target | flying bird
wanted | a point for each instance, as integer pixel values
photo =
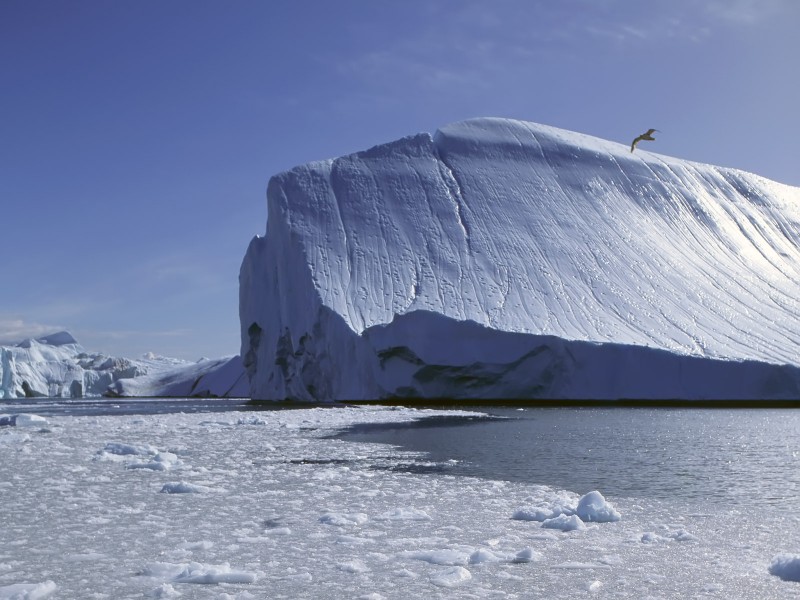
(645, 136)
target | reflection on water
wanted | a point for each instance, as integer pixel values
(733, 456)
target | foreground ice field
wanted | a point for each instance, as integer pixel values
(268, 505)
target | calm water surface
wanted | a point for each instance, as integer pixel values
(736, 457)
(730, 456)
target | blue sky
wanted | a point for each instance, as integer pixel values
(137, 138)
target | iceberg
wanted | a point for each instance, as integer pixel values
(502, 259)
(58, 366)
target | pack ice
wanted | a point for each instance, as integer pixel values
(507, 259)
(58, 366)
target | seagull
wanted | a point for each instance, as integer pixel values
(645, 136)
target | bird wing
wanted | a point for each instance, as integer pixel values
(651, 131)
(636, 141)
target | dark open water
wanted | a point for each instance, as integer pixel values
(731, 456)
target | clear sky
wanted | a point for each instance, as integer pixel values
(137, 137)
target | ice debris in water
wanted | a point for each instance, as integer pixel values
(564, 523)
(27, 591)
(561, 511)
(593, 507)
(786, 566)
(182, 487)
(197, 573)
(22, 420)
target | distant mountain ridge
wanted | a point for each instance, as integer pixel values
(503, 258)
(56, 365)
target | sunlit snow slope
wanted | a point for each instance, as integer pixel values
(503, 259)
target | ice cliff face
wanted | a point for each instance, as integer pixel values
(58, 366)
(502, 259)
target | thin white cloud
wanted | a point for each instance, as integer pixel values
(749, 12)
(14, 330)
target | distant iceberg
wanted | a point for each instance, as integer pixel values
(58, 366)
(507, 259)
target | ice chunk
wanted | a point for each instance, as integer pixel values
(343, 519)
(482, 555)
(182, 487)
(353, 566)
(163, 461)
(564, 523)
(786, 566)
(198, 573)
(120, 449)
(404, 514)
(451, 577)
(593, 507)
(22, 420)
(527, 554)
(27, 591)
(440, 557)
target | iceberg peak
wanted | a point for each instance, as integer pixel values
(60, 338)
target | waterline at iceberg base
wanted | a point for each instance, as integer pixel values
(505, 259)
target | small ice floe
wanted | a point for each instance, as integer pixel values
(165, 591)
(343, 519)
(27, 591)
(22, 420)
(527, 555)
(182, 487)
(567, 512)
(581, 566)
(471, 556)
(404, 514)
(594, 586)
(197, 573)
(451, 577)
(251, 420)
(14, 439)
(406, 573)
(193, 546)
(30, 421)
(163, 461)
(352, 540)
(564, 523)
(117, 451)
(679, 535)
(353, 566)
(440, 557)
(483, 555)
(548, 507)
(593, 507)
(785, 566)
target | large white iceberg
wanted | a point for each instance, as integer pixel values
(507, 259)
(58, 366)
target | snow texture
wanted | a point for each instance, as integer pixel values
(507, 259)
(58, 366)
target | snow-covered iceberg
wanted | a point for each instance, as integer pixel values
(507, 259)
(58, 366)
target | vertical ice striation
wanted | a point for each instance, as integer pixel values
(502, 258)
